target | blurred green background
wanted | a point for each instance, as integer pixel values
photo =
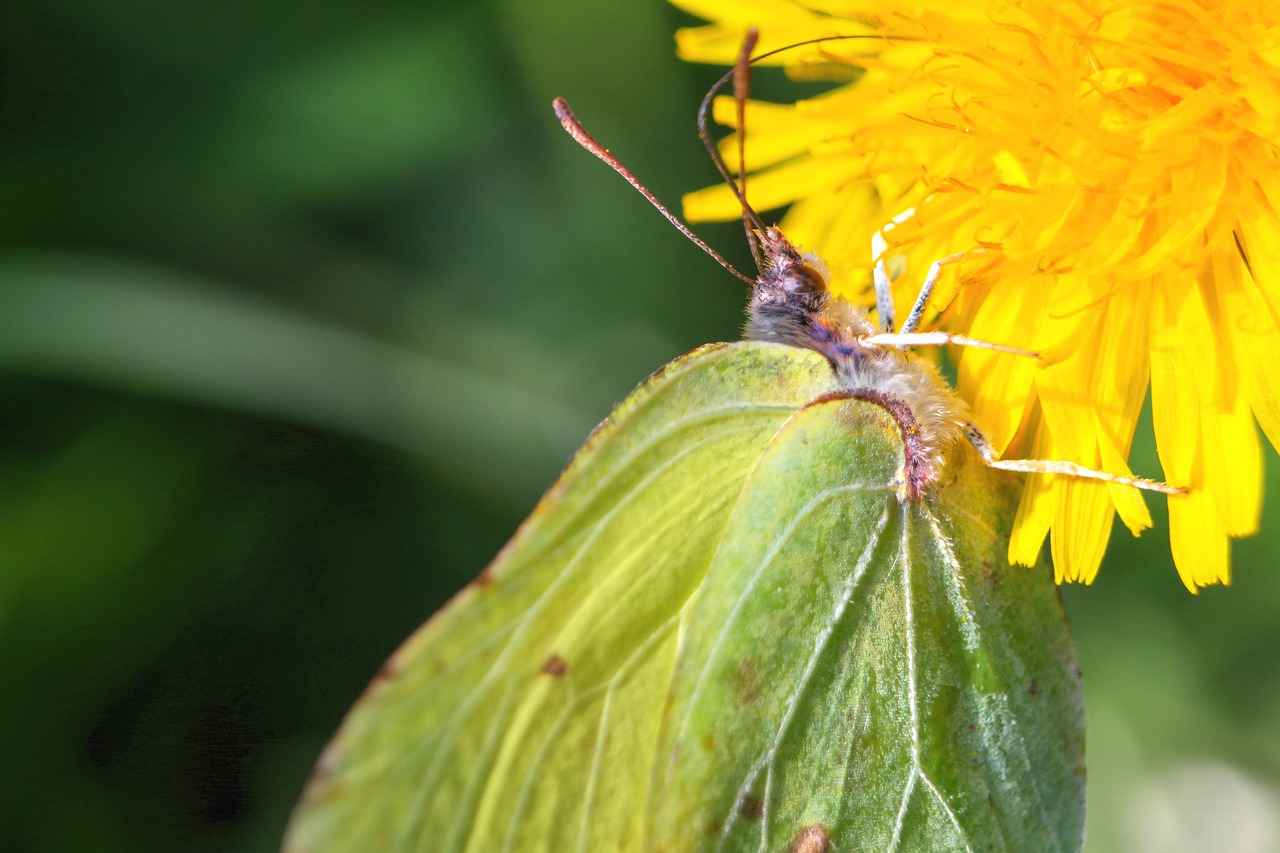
(302, 305)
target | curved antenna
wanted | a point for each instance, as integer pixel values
(750, 218)
(740, 77)
(575, 129)
(741, 90)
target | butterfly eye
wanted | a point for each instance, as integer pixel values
(803, 279)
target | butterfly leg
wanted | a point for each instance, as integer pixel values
(937, 339)
(1053, 466)
(880, 276)
(926, 290)
(880, 272)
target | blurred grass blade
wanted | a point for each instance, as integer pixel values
(160, 332)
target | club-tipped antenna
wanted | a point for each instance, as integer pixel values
(575, 129)
(741, 90)
(751, 219)
(740, 75)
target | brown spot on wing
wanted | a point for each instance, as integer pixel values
(751, 808)
(813, 838)
(748, 682)
(555, 666)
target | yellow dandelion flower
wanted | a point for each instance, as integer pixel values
(1110, 171)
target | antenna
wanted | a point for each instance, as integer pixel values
(742, 83)
(571, 124)
(740, 75)
(741, 89)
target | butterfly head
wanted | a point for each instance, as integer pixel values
(788, 274)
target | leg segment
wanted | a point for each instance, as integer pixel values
(937, 339)
(1069, 469)
(926, 290)
(880, 272)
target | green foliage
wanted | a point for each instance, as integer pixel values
(722, 629)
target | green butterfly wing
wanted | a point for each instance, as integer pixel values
(870, 666)
(722, 630)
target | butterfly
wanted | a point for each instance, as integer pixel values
(766, 607)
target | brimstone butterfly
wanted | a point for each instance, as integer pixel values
(766, 608)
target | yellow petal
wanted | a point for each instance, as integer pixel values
(1009, 169)
(775, 133)
(1233, 466)
(1036, 511)
(1123, 370)
(770, 189)
(1198, 541)
(781, 24)
(1251, 321)
(1082, 522)
(1110, 79)
(1180, 235)
(1067, 405)
(999, 386)
(1119, 385)
(1175, 400)
(1127, 499)
(1081, 530)
(1259, 233)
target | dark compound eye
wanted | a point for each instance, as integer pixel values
(803, 279)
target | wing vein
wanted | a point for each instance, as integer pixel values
(529, 783)
(968, 624)
(702, 418)
(946, 807)
(908, 618)
(462, 712)
(768, 759)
